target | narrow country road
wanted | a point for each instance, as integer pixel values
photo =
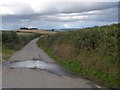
(39, 78)
(29, 52)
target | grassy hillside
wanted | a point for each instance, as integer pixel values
(91, 52)
(12, 41)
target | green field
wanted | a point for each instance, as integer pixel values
(90, 52)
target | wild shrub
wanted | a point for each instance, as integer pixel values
(94, 49)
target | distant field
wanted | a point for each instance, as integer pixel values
(24, 33)
(38, 31)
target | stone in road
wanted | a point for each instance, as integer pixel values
(29, 78)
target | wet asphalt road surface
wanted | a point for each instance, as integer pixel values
(33, 68)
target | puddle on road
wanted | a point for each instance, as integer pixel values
(36, 64)
(39, 65)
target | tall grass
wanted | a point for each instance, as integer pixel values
(11, 42)
(92, 52)
(0, 42)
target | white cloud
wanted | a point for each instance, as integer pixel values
(6, 10)
(23, 7)
(25, 20)
(66, 25)
(35, 12)
(15, 8)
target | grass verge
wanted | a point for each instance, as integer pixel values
(92, 52)
(13, 41)
(98, 76)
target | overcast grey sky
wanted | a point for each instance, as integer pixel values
(57, 15)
